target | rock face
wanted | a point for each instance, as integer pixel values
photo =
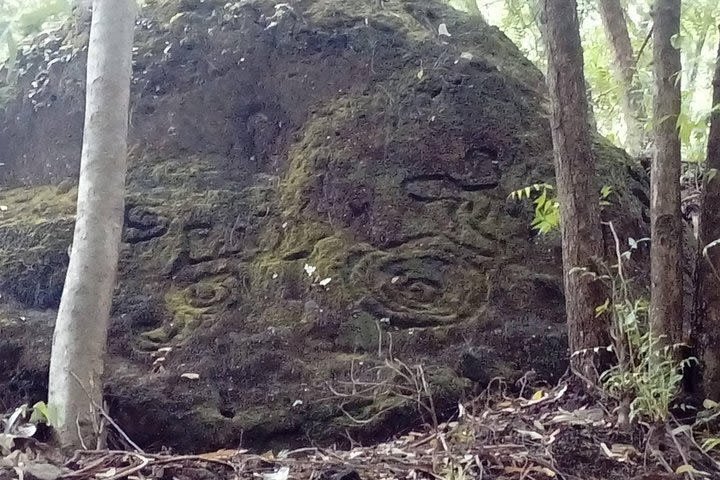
(313, 188)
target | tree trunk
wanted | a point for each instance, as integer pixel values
(77, 363)
(707, 322)
(580, 226)
(666, 228)
(473, 8)
(616, 30)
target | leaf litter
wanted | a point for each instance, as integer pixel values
(547, 436)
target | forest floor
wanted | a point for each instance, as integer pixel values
(551, 434)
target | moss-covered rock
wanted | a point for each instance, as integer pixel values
(312, 189)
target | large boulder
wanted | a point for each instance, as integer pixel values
(314, 188)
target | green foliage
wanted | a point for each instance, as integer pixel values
(547, 208)
(520, 21)
(20, 21)
(42, 413)
(647, 374)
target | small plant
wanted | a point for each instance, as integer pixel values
(42, 413)
(547, 208)
(647, 374)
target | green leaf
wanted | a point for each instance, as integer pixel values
(606, 191)
(599, 310)
(686, 468)
(710, 444)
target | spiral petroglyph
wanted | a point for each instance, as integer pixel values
(425, 282)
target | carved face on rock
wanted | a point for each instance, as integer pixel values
(424, 194)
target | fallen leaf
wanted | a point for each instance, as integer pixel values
(110, 472)
(530, 433)
(176, 17)
(686, 468)
(606, 450)
(26, 430)
(224, 454)
(526, 470)
(281, 474)
(539, 395)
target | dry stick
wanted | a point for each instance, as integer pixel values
(200, 458)
(679, 449)
(412, 379)
(79, 431)
(691, 437)
(642, 48)
(707, 258)
(154, 459)
(426, 387)
(144, 462)
(379, 329)
(86, 469)
(107, 416)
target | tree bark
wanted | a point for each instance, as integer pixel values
(77, 362)
(580, 227)
(473, 8)
(707, 322)
(615, 25)
(666, 228)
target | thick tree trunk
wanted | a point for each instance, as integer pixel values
(616, 30)
(577, 193)
(707, 322)
(78, 352)
(666, 229)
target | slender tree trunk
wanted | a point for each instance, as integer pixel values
(707, 322)
(580, 226)
(615, 25)
(697, 58)
(473, 8)
(666, 228)
(78, 352)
